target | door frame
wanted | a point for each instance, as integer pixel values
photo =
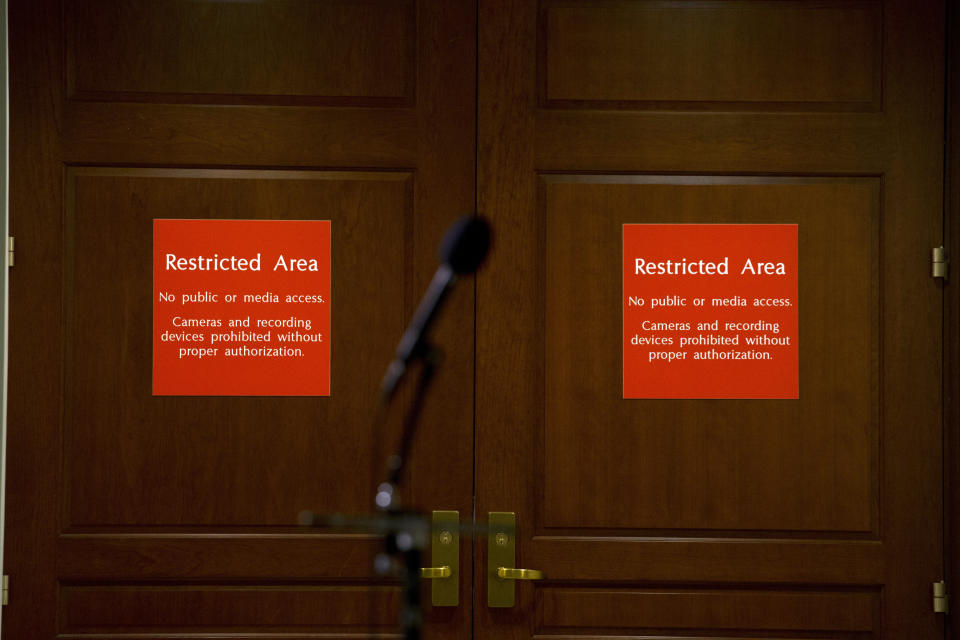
(951, 316)
(5, 266)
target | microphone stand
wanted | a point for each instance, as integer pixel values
(407, 532)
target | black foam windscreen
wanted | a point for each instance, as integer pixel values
(465, 244)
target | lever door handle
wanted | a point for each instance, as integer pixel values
(519, 574)
(501, 558)
(445, 558)
(432, 573)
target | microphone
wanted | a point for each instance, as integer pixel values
(462, 251)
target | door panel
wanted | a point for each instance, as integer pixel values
(776, 465)
(238, 461)
(131, 514)
(576, 612)
(92, 611)
(681, 518)
(704, 55)
(290, 52)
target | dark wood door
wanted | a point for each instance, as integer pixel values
(131, 515)
(138, 516)
(816, 517)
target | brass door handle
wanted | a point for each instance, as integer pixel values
(445, 558)
(519, 574)
(501, 558)
(435, 572)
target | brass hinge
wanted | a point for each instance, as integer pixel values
(5, 591)
(940, 262)
(10, 251)
(941, 601)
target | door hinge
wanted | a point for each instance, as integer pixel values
(5, 591)
(940, 262)
(941, 601)
(10, 251)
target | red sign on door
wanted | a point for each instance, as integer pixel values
(710, 311)
(241, 307)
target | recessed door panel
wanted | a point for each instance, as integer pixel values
(223, 446)
(723, 464)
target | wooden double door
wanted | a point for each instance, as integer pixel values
(138, 516)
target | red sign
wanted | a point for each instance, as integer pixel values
(710, 311)
(241, 307)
